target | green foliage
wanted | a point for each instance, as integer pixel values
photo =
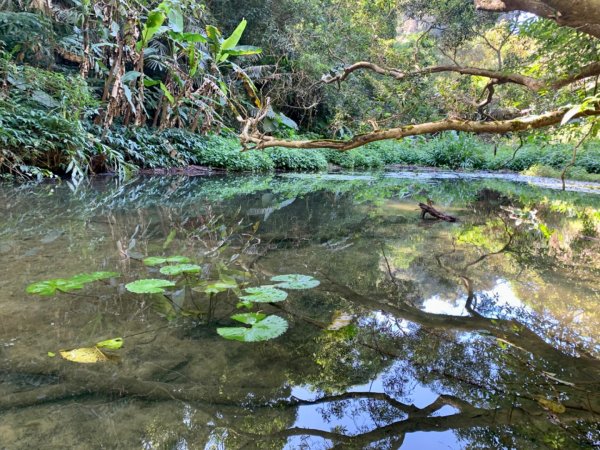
(226, 153)
(298, 160)
(76, 282)
(159, 260)
(295, 281)
(262, 328)
(264, 294)
(149, 286)
(179, 269)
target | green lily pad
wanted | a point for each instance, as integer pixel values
(158, 260)
(262, 328)
(216, 287)
(111, 344)
(94, 276)
(295, 281)
(180, 268)
(264, 294)
(49, 287)
(149, 286)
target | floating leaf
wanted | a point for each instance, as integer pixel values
(217, 287)
(95, 276)
(84, 355)
(296, 281)
(264, 294)
(249, 318)
(158, 260)
(111, 344)
(149, 286)
(180, 268)
(49, 287)
(262, 329)
(51, 354)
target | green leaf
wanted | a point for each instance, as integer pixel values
(158, 260)
(235, 37)
(111, 344)
(94, 276)
(243, 50)
(249, 318)
(175, 20)
(130, 76)
(193, 37)
(264, 294)
(49, 287)
(155, 20)
(179, 259)
(167, 92)
(51, 354)
(154, 261)
(149, 286)
(180, 268)
(262, 329)
(295, 281)
(215, 288)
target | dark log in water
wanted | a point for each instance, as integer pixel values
(427, 209)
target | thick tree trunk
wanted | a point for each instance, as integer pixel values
(583, 15)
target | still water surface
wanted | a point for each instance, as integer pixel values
(478, 334)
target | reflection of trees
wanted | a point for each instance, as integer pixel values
(502, 379)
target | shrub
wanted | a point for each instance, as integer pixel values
(216, 151)
(298, 160)
(455, 151)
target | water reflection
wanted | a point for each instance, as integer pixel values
(479, 334)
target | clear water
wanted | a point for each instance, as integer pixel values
(478, 334)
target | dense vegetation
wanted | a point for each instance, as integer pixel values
(96, 86)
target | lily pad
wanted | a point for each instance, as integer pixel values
(264, 294)
(49, 287)
(295, 281)
(158, 260)
(84, 355)
(262, 328)
(111, 344)
(149, 286)
(180, 268)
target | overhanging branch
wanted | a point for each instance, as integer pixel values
(469, 126)
(533, 84)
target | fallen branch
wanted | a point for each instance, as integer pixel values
(428, 209)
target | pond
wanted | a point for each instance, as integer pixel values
(483, 333)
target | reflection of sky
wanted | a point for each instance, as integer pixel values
(420, 395)
(502, 293)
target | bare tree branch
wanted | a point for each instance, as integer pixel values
(534, 84)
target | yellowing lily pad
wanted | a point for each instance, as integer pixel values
(84, 355)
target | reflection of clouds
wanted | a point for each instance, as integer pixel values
(436, 305)
(504, 300)
(505, 295)
(392, 323)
